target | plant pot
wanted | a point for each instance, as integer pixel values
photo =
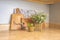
(31, 29)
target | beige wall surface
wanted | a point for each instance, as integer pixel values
(54, 16)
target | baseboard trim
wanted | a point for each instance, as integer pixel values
(54, 25)
(4, 27)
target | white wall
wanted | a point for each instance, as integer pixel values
(6, 9)
(54, 15)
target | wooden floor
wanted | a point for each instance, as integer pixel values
(24, 35)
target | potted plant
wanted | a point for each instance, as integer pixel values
(38, 19)
(31, 27)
